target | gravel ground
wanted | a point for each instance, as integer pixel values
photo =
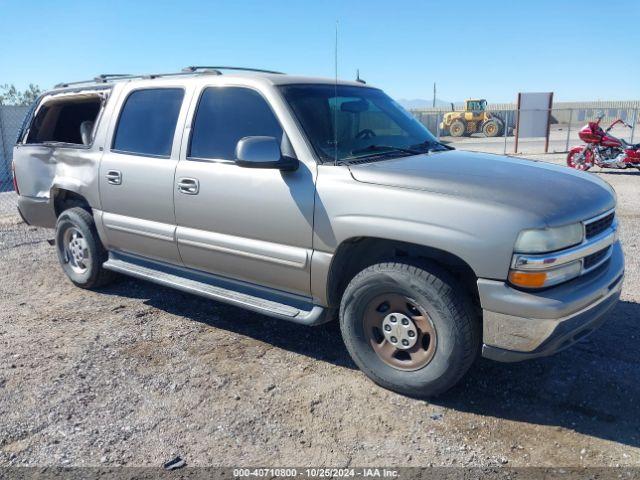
(135, 374)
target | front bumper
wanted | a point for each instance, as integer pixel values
(520, 325)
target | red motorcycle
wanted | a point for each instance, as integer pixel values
(602, 149)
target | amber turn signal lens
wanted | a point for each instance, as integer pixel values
(528, 279)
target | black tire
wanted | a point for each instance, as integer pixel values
(458, 128)
(492, 128)
(445, 303)
(89, 274)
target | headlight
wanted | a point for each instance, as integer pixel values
(549, 239)
(545, 241)
(545, 278)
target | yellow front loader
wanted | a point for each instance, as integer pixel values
(473, 119)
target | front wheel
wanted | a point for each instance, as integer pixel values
(409, 329)
(580, 159)
(457, 128)
(492, 128)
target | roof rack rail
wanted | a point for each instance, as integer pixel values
(196, 68)
(102, 78)
(191, 70)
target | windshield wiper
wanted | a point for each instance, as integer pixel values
(385, 148)
(430, 145)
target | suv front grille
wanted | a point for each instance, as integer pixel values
(595, 258)
(598, 226)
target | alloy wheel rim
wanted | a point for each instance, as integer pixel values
(75, 250)
(579, 161)
(400, 332)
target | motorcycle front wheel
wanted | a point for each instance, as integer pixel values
(580, 159)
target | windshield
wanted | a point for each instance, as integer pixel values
(345, 123)
(476, 105)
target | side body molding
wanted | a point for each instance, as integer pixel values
(243, 247)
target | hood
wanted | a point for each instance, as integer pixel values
(557, 194)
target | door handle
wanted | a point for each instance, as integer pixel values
(114, 177)
(188, 186)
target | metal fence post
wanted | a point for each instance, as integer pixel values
(506, 131)
(566, 148)
(633, 125)
(437, 124)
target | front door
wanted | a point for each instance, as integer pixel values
(249, 224)
(137, 174)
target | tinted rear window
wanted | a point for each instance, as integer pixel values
(148, 120)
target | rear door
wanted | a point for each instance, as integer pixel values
(137, 172)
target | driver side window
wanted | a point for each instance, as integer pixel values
(224, 116)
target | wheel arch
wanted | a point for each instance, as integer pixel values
(357, 253)
(64, 198)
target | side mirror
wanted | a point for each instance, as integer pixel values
(263, 152)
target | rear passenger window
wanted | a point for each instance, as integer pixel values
(224, 116)
(147, 122)
(66, 120)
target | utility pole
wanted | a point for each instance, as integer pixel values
(434, 94)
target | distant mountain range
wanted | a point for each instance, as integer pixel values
(414, 103)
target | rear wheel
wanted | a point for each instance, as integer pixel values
(580, 159)
(80, 251)
(408, 328)
(457, 128)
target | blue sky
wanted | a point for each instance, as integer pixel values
(581, 50)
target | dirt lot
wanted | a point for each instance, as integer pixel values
(136, 373)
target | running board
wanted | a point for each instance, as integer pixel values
(252, 297)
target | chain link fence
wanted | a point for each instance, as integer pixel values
(11, 118)
(13, 232)
(565, 122)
